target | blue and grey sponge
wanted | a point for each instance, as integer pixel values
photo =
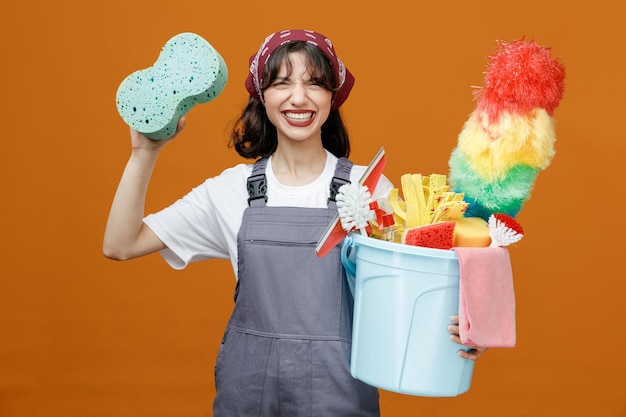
(188, 71)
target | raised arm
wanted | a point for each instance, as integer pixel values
(126, 236)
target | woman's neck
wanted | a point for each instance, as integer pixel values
(298, 165)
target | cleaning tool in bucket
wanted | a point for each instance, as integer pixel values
(353, 207)
(335, 233)
(509, 137)
(403, 299)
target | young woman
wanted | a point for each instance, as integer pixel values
(286, 347)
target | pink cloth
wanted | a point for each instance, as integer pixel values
(486, 297)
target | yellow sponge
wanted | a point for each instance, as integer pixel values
(188, 71)
(471, 232)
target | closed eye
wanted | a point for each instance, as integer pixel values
(317, 82)
(281, 82)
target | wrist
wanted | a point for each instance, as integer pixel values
(144, 155)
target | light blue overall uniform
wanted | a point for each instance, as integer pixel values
(286, 349)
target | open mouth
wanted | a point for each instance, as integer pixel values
(299, 116)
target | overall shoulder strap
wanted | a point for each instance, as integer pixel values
(342, 176)
(257, 184)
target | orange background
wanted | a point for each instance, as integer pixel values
(84, 336)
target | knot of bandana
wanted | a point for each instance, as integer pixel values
(257, 62)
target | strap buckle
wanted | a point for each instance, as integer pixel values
(257, 188)
(335, 184)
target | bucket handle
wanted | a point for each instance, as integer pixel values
(349, 266)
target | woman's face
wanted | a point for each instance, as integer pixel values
(296, 103)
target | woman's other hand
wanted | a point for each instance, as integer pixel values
(474, 352)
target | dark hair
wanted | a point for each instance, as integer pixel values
(253, 134)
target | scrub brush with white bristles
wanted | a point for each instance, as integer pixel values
(353, 202)
(504, 230)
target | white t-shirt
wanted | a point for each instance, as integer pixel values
(204, 223)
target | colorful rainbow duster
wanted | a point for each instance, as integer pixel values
(509, 137)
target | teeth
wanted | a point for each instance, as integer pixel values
(299, 116)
